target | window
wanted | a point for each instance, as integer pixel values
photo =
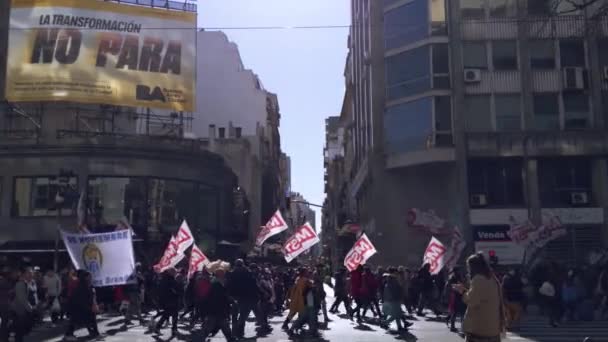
(478, 113)
(238, 131)
(540, 8)
(406, 24)
(438, 23)
(170, 202)
(508, 112)
(559, 178)
(576, 110)
(504, 55)
(503, 8)
(408, 73)
(408, 126)
(472, 9)
(443, 121)
(542, 54)
(546, 111)
(441, 66)
(572, 53)
(222, 132)
(501, 181)
(111, 199)
(475, 55)
(602, 46)
(35, 196)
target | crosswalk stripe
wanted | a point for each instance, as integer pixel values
(537, 328)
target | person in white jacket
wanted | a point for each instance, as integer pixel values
(52, 286)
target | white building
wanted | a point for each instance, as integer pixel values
(228, 96)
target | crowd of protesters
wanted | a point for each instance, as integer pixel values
(222, 297)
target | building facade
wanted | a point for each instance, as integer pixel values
(151, 178)
(483, 112)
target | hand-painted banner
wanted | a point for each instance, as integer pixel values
(275, 225)
(426, 220)
(358, 255)
(456, 248)
(170, 258)
(198, 261)
(184, 238)
(304, 238)
(434, 255)
(108, 256)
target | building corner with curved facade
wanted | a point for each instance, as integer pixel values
(484, 112)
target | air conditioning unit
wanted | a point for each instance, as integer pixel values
(575, 78)
(479, 200)
(579, 198)
(472, 75)
(606, 73)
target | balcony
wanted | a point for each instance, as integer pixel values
(438, 148)
(532, 144)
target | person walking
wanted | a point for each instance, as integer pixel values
(550, 300)
(242, 286)
(169, 300)
(52, 289)
(82, 307)
(22, 307)
(319, 280)
(296, 296)
(307, 311)
(202, 288)
(340, 293)
(425, 290)
(513, 291)
(484, 320)
(456, 306)
(218, 303)
(392, 295)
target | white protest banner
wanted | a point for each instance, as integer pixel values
(183, 238)
(456, 247)
(171, 257)
(426, 220)
(358, 255)
(550, 230)
(434, 255)
(275, 225)
(107, 256)
(198, 261)
(304, 238)
(519, 232)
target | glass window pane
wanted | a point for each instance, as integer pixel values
(35, 196)
(472, 9)
(443, 113)
(478, 113)
(475, 55)
(408, 73)
(406, 24)
(408, 126)
(508, 112)
(441, 59)
(546, 111)
(540, 7)
(438, 23)
(572, 53)
(542, 54)
(576, 110)
(504, 55)
(602, 46)
(503, 8)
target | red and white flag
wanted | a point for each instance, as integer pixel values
(198, 261)
(275, 225)
(304, 238)
(456, 248)
(171, 257)
(435, 255)
(358, 255)
(183, 238)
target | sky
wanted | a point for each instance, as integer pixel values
(304, 67)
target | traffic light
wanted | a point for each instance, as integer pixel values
(493, 258)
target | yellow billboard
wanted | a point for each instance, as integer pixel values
(92, 51)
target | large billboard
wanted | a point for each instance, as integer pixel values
(93, 51)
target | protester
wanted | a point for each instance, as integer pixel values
(52, 288)
(356, 292)
(242, 286)
(169, 300)
(341, 293)
(21, 307)
(484, 319)
(392, 298)
(425, 289)
(134, 293)
(218, 303)
(456, 306)
(82, 307)
(307, 307)
(319, 292)
(7, 294)
(202, 288)
(550, 299)
(296, 296)
(570, 296)
(513, 291)
(265, 301)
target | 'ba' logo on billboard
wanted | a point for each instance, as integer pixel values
(144, 93)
